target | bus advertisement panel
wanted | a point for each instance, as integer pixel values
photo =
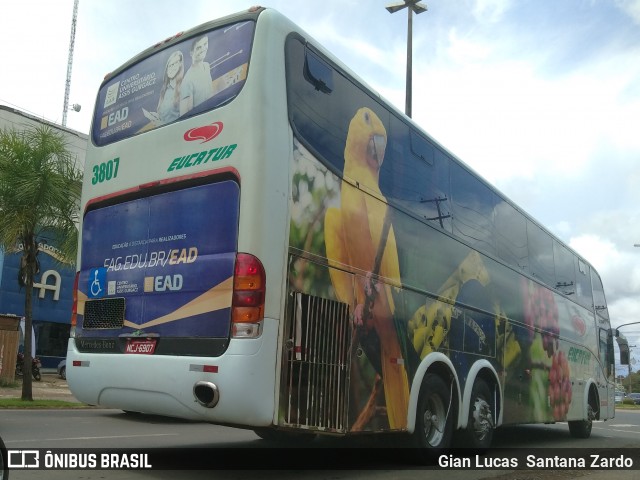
(433, 266)
(189, 78)
(167, 259)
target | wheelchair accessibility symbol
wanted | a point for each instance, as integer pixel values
(97, 283)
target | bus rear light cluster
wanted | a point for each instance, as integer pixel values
(74, 308)
(247, 306)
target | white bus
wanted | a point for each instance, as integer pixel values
(266, 243)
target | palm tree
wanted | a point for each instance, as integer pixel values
(40, 184)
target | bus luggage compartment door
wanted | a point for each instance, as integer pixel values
(316, 359)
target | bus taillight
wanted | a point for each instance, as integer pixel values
(74, 308)
(247, 310)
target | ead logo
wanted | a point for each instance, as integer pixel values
(163, 283)
(204, 133)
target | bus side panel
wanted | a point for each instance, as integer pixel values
(451, 299)
(429, 259)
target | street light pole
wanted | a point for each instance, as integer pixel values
(412, 6)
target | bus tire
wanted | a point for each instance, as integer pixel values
(434, 426)
(479, 431)
(4, 461)
(582, 428)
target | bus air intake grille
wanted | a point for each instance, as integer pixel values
(316, 373)
(103, 314)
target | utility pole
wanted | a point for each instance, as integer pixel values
(412, 6)
(67, 86)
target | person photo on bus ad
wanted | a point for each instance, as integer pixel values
(197, 85)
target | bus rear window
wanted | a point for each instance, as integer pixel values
(196, 75)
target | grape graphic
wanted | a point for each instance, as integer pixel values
(540, 312)
(559, 386)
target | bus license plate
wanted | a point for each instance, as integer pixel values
(140, 347)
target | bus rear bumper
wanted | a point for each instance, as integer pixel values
(235, 388)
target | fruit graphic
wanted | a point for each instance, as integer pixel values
(430, 324)
(559, 386)
(540, 313)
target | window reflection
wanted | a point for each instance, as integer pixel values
(511, 236)
(420, 178)
(540, 254)
(599, 302)
(473, 205)
(565, 273)
(415, 184)
(583, 283)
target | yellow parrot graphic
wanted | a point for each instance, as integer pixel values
(355, 234)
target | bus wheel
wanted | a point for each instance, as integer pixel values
(433, 420)
(479, 431)
(284, 436)
(4, 461)
(582, 428)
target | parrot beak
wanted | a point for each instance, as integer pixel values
(377, 146)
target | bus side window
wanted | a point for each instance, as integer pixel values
(565, 273)
(473, 204)
(413, 182)
(421, 148)
(511, 237)
(611, 361)
(318, 73)
(606, 350)
(583, 284)
(540, 254)
(599, 302)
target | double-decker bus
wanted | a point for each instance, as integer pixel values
(267, 243)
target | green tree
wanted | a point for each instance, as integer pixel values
(40, 184)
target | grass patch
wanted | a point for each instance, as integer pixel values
(18, 403)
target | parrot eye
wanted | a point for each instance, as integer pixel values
(367, 117)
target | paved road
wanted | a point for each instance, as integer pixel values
(102, 429)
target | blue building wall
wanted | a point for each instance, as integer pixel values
(51, 316)
(52, 301)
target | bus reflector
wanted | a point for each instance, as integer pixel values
(247, 306)
(81, 363)
(203, 368)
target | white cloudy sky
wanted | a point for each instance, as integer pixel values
(540, 97)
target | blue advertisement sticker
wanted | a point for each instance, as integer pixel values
(188, 78)
(170, 256)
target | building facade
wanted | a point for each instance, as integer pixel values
(53, 291)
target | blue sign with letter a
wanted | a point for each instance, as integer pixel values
(97, 283)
